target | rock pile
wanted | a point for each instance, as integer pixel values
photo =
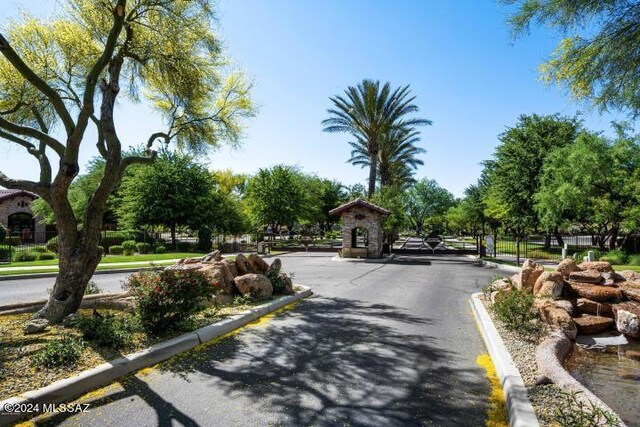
(587, 298)
(246, 275)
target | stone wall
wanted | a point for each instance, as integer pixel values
(15, 205)
(371, 221)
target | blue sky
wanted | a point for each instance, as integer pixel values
(470, 77)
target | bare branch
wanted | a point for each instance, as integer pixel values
(26, 72)
(158, 135)
(51, 142)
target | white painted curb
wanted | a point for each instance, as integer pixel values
(69, 388)
(521, 413)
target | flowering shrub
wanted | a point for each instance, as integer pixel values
(166, 298)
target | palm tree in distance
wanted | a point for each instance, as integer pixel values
(372, 115)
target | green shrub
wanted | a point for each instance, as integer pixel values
(116, 250)
(24, 256)
(167, 298)
(13, 240)
(184, 246)
(279, 280)
(115, 238)
(596, 253)
(616, 257)
(64, 351)
(129, 245)
(514, 308)
(160, 249)
(143, 248)
(39, 249)
(43, 256)
(92, 288)
(128, 252)
(52, 244)
(107, 330)
(3, 233)
(101, 251)
(5, 253)
(634, 260)
(571, 411)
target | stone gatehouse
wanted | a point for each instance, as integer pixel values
(17, 217)
(362, 229)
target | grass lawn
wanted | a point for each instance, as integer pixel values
(108, 259)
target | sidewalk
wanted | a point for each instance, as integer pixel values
(106, 264)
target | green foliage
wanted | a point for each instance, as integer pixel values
(63, 351)
(100, 251)
(107, 330)
(391, 198)
(129, 245)
(571, 411)
(3, 233)
(514, 308)
(167, 298)
(514, 174)
(599, 59)
(160, 249)
(427, 204)
(184, 246)
(616, 257)
(143, 248)
(116, 250)
(43, 256)
(274, 196)
(111, 238)
(242, 300)
(633, 260)
(5, 252)
(22, 256)
(596, 254)
(92, 288)
(39, 249)
(279, 280)
(488, 288)
(380, 120)
(52, 244)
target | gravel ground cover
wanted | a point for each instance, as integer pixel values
(18, 351)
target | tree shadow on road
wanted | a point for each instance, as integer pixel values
(325, 362)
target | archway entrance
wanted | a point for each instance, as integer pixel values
(23, 225)
(359, 237)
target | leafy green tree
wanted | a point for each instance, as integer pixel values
(173, 192)
(356, 191)
(514, 173)
(599, 59)
(274, 197)
(593, 183)
(391, 198)
(71, 71)
(372, 114)
(427, 204)
(323, 195)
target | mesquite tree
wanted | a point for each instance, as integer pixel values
(69, 72)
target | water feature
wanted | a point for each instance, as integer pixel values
(613, 373)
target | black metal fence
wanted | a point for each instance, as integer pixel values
(536, 247)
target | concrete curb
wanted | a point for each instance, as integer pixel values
(509, 268)
(521, 413)
(69, 388)
(365, 260)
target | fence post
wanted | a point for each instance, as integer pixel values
(518, 250)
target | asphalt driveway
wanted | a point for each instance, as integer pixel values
(378, 345)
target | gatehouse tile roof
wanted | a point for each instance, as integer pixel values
(7, 194)
(359, 203)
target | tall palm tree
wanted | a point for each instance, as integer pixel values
(397, 157)
(371, 114)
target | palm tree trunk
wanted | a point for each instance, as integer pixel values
(373, 169)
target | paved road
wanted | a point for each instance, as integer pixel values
(21, 290)
(378, 345)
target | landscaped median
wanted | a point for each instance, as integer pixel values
(28, 403)
(528, 323)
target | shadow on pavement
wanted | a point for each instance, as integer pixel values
(330, 361)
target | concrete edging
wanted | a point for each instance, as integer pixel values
(521, 413)
(509, 268)
(70, 388)
(385, 260)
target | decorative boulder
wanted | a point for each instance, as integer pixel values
(256, 285)
(258, 265)
(596, 292)
(243, 265)
(628, 323)
(500, 284)
(592, 307)
(220, 277)
(565, 305)
(531, 270)
(589, 325)
(631, 290)
(601, 266)
(515, 281)
(276, 265)
(566, 267)
(213, 257)
(35, 326)
(231, 265)
(587, 276)
(629, 275)
(549, 284)
(557, 318)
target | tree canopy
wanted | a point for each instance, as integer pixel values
(599, 58)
